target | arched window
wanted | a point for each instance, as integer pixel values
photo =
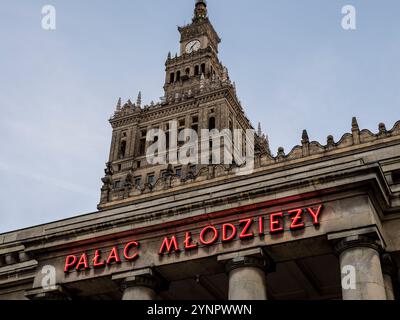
(122, 149)
(203, 68)
(196, 70)
(178, 76)
(187, 71)
(172, 77)
(211, 123)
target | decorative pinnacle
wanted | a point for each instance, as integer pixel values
(354, 124)
(119, 105)
(304, 137)
(139, 99)
(382, 128)
(259, 132)
(202, 81)
(330, 141)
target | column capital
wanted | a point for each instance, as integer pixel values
(241, 262)
(147, 277)
(256, 258)
(56, 293)
(357, 241)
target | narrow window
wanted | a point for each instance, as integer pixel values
(178, 76)
(187, 71)
(211, 123)
(167, 139)
(180, 143)
(150, 179)
(142, 147)
(195, 127)
(172, 78)
(138, 182)
(196, 70)
(203, 68)
(122, 149)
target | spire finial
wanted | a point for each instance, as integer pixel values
(200, 10)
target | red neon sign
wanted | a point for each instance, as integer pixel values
(245, 229)
(209, 235)
(83, 262)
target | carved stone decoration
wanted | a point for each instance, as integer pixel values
(107, 183)
(382, 129)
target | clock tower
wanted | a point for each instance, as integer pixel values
(198, 94)
(198, 58)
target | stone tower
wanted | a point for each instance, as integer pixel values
(198, 95)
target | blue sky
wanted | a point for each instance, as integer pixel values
(294, 66)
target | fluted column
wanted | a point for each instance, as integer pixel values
(360, 255)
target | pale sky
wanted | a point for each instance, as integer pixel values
(294, 66)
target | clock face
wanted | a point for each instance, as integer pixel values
(193, 46)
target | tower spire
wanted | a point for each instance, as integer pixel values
(200, 10)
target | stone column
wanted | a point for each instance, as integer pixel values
(140, 284)
(361, 270)
(389, 271)
(247, 275)
(139, 288)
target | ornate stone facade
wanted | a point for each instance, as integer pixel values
(320, 222)
(198, 94)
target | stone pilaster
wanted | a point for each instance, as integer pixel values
(361, 271)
